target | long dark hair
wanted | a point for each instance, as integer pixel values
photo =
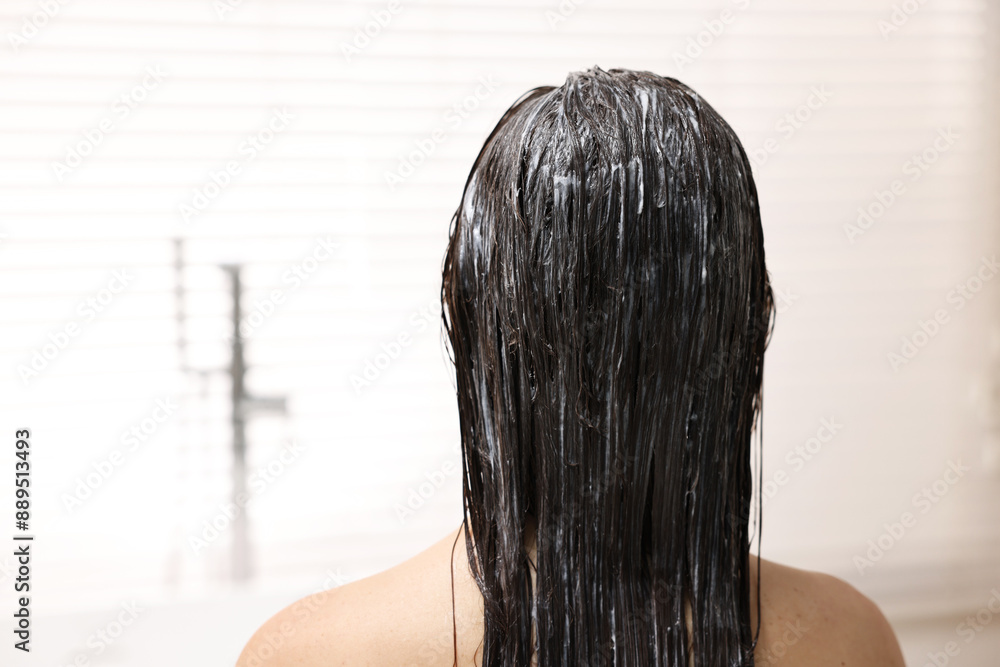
(607, 306)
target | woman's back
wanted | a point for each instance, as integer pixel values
(607, 305)
(403, 617)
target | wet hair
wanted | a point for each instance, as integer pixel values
(607, 306)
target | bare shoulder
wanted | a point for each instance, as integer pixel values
(400, 616)
(810, 618)
(405, 616)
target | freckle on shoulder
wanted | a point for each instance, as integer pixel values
(834, 624)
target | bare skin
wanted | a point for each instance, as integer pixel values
(403, 616)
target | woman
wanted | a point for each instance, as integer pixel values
(608, 306)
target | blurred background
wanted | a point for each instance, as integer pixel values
(222, 224)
